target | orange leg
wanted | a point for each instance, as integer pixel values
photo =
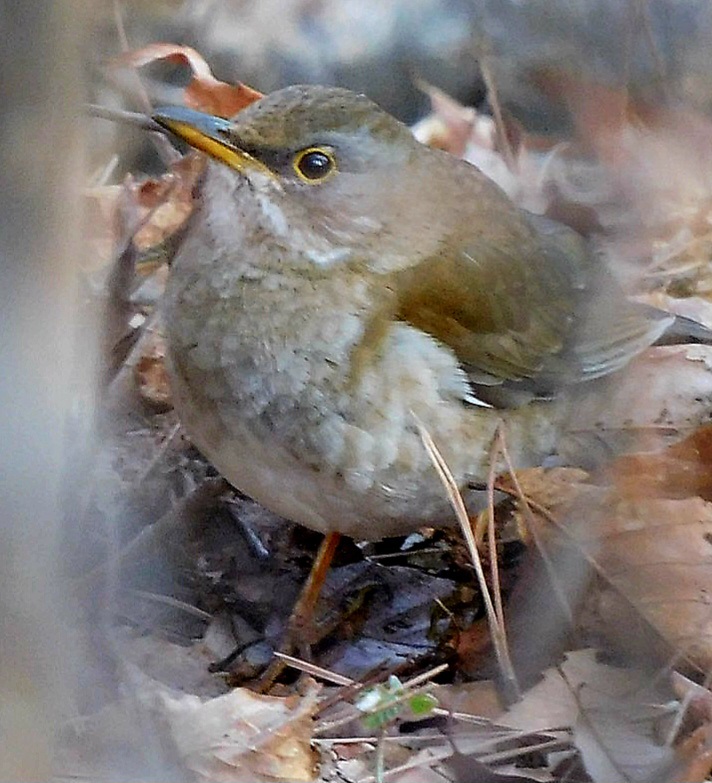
(300, 627)
(302, 618)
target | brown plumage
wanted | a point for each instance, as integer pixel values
(338, 280)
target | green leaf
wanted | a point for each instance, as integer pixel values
(422, 704)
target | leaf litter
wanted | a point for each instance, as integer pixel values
(641, 522)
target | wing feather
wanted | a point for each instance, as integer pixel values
(532, 317)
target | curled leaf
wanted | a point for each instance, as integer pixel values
(204, 92)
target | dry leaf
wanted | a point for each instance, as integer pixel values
(451, 125)
(151, 374)
(695, 308)
(157, 207)
(662, 395)
(473, 136)
(654, 557)
(612, 711)
(552, 488)
(166, 203)
(658, 555)
(205, 92)
(653, 172)
(695, 753)
(682, 470)
(244, 736)
(698, 698)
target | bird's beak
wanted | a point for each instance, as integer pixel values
(210, 135)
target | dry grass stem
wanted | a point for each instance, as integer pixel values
(493, 97)
(412, 687)
(314, 670)
(436, 757)
(499, 639)
(169, 600)
(536, 538)
(496, 450)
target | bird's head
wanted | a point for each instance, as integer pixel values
(330, 170)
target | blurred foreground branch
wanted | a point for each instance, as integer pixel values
(40, 177)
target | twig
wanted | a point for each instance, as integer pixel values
(511, 686)
(643, 13)
(340, 679)
(494, 563)
(136, 118)
(102, 175)
(410, 687)
(158, 456)
(685, 702)
(425, 676)
(548, 746)
(252, 539)
(493, 97)
(436, 756)
(165, 149)
(538, 543)
(169, 600)
(380, 756)
(430, 550)
(314, 670)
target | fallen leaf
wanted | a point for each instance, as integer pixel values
(682, 470)
(653, 172)
(696, 308)
(204, 92)
(397, 625)
(697, 697)
(662, 395)
(151, 374)
(167, 202)
(451, 126)
(244, 736)
(653, 557)
(611, 710)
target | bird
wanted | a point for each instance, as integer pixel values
(340, 284)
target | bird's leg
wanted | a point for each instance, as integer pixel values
(300, 627)
(302, 619)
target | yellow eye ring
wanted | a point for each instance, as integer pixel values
(314, 165)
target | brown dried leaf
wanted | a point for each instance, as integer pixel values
(205, 92)
(682, 470)
(551, 488)
(473, 136)
(151, 375)
(663, 394)
(654, 556)
(157, 208)
(166, 203)
(452, 126)
(697, 697)
(696, 756)
(654, 172)
(244, 736)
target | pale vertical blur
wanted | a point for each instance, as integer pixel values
(40, 179)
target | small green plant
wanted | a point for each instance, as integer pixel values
(383, 703)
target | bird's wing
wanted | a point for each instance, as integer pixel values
(534, 318)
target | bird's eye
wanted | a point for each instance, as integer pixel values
(314, 164)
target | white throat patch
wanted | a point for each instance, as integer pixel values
(316, 249)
